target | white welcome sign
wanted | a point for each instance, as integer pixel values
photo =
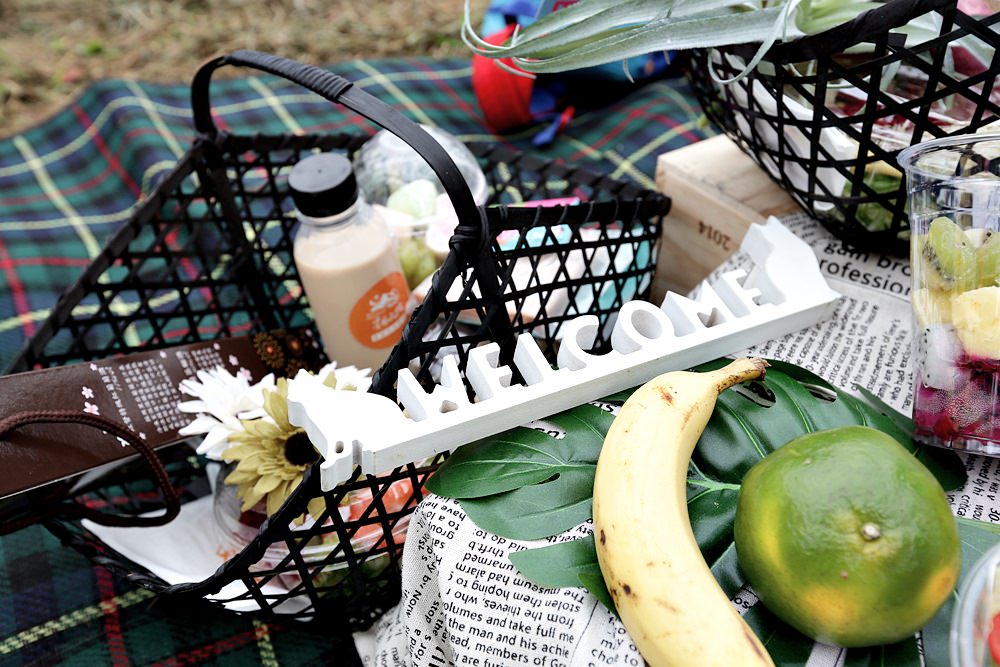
(784, 292)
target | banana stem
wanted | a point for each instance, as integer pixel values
(740, 370)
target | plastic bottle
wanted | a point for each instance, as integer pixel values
(348, 263)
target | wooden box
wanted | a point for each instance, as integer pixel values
(717, 192)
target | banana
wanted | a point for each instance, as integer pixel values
(670, 603)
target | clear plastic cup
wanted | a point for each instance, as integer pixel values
(972, 619)
(954, 214)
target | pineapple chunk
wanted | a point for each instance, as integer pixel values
(931, 306)
(976, 316)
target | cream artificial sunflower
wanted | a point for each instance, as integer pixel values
(271, 456)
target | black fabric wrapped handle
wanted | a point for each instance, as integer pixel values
(472, 225)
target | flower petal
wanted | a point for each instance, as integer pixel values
(274, 502)
(317, 506)
(214, 444)
(199, 425)
(266, 484)
(193, 406)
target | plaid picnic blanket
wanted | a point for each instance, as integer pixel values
(68, 183)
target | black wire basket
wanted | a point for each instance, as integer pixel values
(209, 255)
(825, 115)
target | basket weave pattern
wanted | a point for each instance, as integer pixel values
(209, 254)
(837, 161)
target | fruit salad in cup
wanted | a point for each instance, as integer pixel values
(956, 305)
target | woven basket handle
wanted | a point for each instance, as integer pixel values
(472, 223)
(171, 500)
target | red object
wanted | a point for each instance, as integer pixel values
(994, 638)
(505, 98)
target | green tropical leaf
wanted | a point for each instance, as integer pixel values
(565, 565)
(511, 460)
(593, 582)
(556, 565)
(525, 484)
(786, 645)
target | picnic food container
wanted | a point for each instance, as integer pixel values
(208, 254)
(973, 621)
(954, 211)
(825, 115)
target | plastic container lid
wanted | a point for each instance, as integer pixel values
(323, 185)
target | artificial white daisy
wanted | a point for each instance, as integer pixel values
(223, 400)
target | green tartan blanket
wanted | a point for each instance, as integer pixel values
(68, 183)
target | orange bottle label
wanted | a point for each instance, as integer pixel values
(378, 317)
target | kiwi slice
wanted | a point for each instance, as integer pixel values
(947, 258)
(988, 261)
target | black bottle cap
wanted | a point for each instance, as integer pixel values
(323, 185)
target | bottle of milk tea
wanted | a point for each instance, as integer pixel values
(348, 263)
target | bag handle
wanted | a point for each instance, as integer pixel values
(75, 510)
(472, 223)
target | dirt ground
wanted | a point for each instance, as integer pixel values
(51, 49)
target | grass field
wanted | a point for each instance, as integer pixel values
(50, 50)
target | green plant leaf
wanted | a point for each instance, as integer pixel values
(508, 461)
(786, 645)
(556, 565)
(525, 484)
(904, 654)
(566, 564)
(698, 31)
(593, 581)
(534, 512)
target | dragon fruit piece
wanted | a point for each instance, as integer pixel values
(940, 357)
(968, 411)
(928, 405)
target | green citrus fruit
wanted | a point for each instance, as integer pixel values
(847, 537)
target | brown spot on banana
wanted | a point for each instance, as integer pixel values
(626, 589)
(602, 536)
(687, 417)
(666, 605)
(666, 396)
(752, 640)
